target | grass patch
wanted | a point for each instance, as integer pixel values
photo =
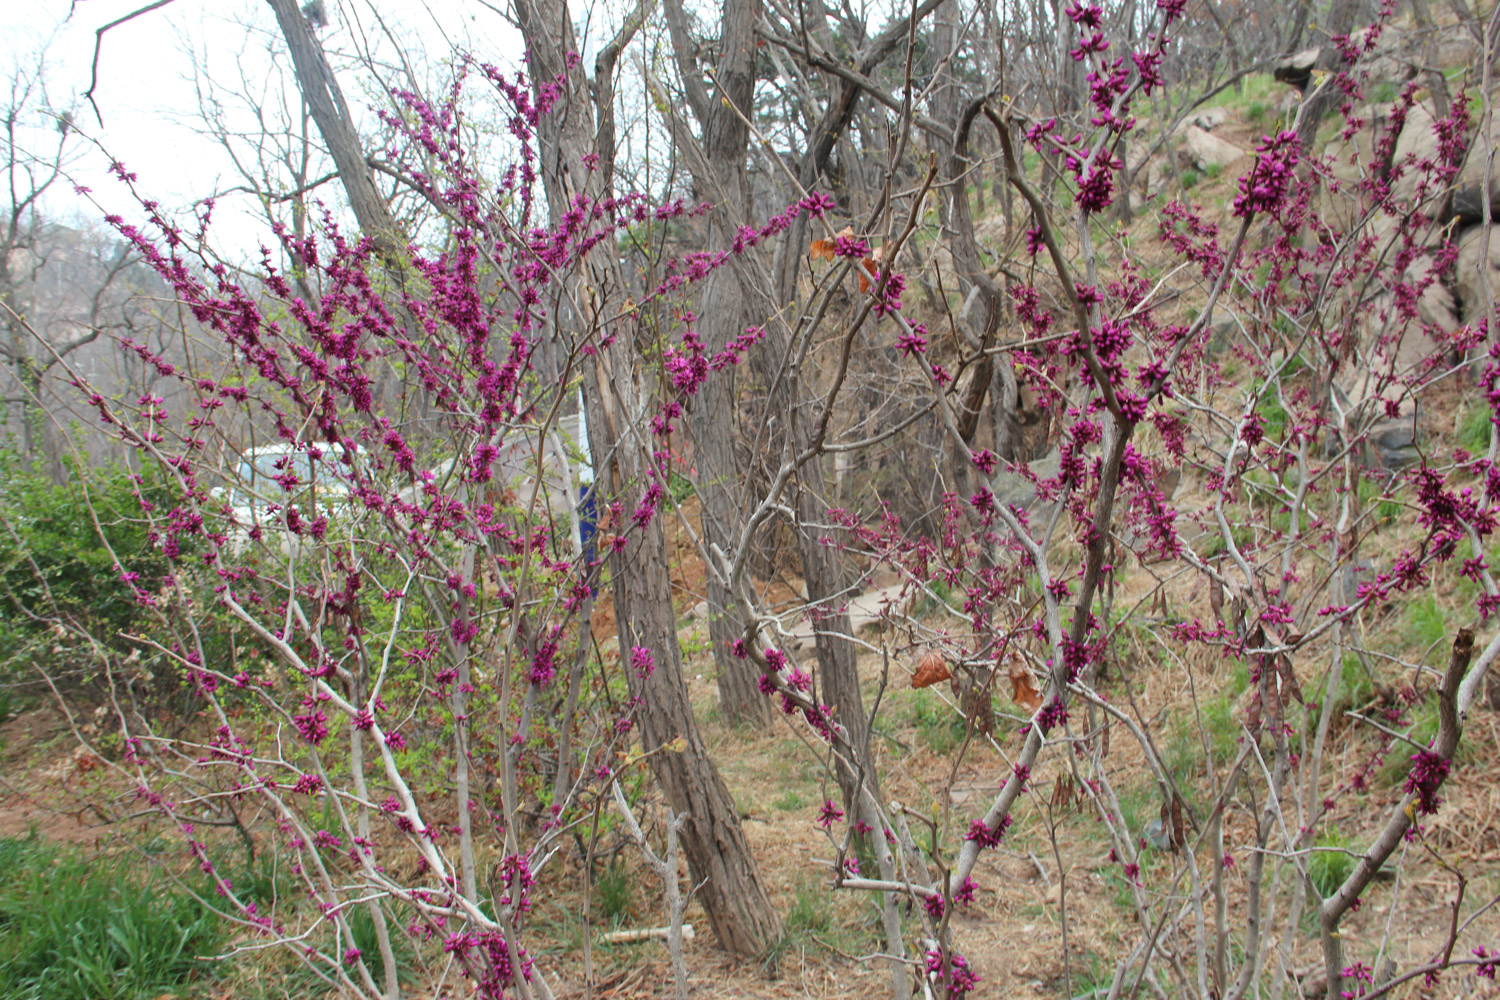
(1372, 492)
(938, 726)
(1426, 626)
(616, 892)
(789, 801)
(72, 926)
(1474, 430)
(1330, 865)
(810, 916)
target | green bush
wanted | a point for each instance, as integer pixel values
(55, 568)
(72, 926)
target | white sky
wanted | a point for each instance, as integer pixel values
(147, 96)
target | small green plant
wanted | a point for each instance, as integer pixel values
(616, 891)
(1213, 170)
(1190, 179)
(934, 598)
(1256, 112)
(692, 644)
(680, 486)
(1330, 862)
(362, 927)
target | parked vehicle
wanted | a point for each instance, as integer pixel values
(257, 492)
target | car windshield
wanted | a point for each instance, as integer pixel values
(257, 474)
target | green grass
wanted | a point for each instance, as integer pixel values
(938, 726)
(1370, 491)
(1474, 431)
(1422, 732)
(1426, 626)
(789, 801)
(1274, 415)
(1256, 87)
(73, 926)
(1222, 727)
(810, 915)
(1329, 868)
(1356, 689)
(616, 892)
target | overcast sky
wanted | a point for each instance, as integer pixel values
(148, 99)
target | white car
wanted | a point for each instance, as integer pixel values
(257, 495)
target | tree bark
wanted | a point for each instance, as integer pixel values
(325, 101)
(617, 402)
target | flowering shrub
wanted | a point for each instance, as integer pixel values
(442, 612)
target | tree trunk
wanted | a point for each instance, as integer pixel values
(326, 103)
(722, 496)
(614, 394)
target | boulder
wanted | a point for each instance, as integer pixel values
(1209, 150)
(1354, 158)
(1210, 118)
(1475, 267)
(1158, 177)
(1390, 353)
(1481, 170)
(1296, 69)
(1014, 488)
(1394, 443)
(1416, 143)
(1393, 361)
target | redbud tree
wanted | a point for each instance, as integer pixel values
(415, 721)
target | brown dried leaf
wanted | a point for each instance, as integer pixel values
(1290, 689)
(825, 249)
(931, 669)
(1062, 792)
(1252, 713)
(1024, 689)
(1179, 831)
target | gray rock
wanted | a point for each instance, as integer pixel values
(1209, 150)
(1296, 69)
(1479, 172)
(1013, 488)
(1395, 444)
(1416, 143)
(1210, 118)
(1476, 267)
